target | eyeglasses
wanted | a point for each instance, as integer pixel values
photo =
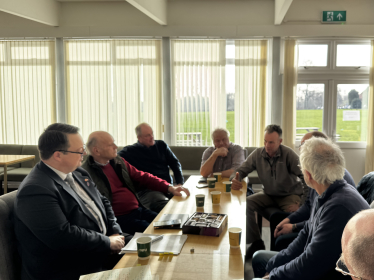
(81, 153)
(342, 268)
(301, 145)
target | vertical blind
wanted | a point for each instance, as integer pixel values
(250, 91)
(113, 85)
(199, 89)
(27, 89)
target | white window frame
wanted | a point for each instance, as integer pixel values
(331, 76)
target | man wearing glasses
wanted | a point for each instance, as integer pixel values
(358, 247)
(313, 254)
(64, 227)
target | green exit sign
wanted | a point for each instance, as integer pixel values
(334, 16)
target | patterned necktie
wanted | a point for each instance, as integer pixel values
(88, 202)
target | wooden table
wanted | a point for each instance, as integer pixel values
(6, 160)
(213, 258)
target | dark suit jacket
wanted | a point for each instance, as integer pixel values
(58, 236)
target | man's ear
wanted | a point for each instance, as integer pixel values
(280, 141)
(57, 156)
(309, 176)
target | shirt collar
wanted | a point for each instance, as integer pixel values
(61, 174)
(101, 164)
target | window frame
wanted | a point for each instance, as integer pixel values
(332, 76)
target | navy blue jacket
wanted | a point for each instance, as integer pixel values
(58, 236)
(313, 254)
(155, 160)
(301, 216)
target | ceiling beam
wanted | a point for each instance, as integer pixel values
(155, 9)
(43, 11)
(281, 8)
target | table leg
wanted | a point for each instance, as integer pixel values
(5, 179)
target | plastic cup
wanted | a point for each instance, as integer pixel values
(218, 176)
(228, 186)
(216, 197)
(200, 199)
(144, 247)
(211, 182)
(235, 235)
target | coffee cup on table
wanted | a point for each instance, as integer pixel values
(227, 185)
(216, 197)
(235, 235)
(200, 199)
(218, 176)
(144, 247)
(211, 182)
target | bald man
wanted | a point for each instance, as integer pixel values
(357, 259)
(119, 181)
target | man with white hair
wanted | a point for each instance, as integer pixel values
(357, 259)
(224, 157)
(313, 254)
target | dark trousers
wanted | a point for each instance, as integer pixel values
(281, 242)
(154, 200)
(136, 221)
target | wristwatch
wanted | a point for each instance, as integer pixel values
(294, 227)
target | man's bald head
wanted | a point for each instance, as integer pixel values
(316, 134)
(101, 146)
(358, 245)
(144, 133)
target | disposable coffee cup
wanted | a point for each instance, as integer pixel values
(144, 247)
(235, 235)
(228, 186)
(200, 199)
(216, 197)
(211, 183)
(218, 176)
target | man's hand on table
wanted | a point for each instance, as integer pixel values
(177, 190)
(117, 242)
(236, 184)
(267, 276)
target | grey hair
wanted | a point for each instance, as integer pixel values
(138, 128)
(219, 129)
(323, 159)
(274, 128)
(90, 144)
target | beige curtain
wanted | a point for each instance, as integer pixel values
(289, 93)
(369, 160)
(27, 89)
(113, 85)
(250, 91)
(199, 89)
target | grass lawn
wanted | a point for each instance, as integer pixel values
(348, 130)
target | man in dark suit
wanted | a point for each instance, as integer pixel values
(64, 227)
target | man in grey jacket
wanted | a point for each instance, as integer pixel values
(282, 180)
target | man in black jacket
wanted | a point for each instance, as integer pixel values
(154, 157)
(64, 227)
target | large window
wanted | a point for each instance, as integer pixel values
(219, 83)
(113, 85)
(333, 97)
(27, 89)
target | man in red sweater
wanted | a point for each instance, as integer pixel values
(119, 181)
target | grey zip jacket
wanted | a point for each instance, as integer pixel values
(280, 175)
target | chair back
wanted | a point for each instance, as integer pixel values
(10, 261)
